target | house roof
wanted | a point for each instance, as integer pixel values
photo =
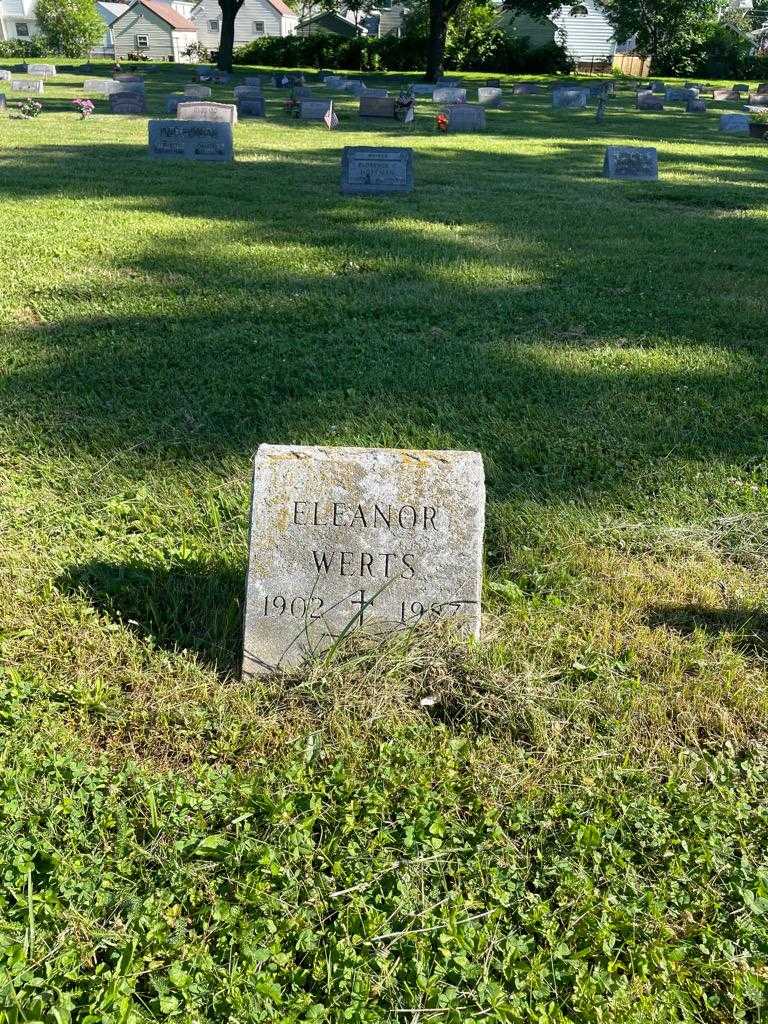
(282, 8)
(113, 9)
(166, 12)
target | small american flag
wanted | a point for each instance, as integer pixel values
(330, 118)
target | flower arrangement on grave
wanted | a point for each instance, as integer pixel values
(85, 106)
(442, 122)
(30, 109)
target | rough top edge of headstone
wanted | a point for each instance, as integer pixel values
(405, 456)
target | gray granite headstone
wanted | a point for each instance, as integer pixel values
(527, 89)
(5, 76)
(32, 85)
(493, 83)
(449, 95)
(638, 163)
(355, 87)
(109, 86)
(569, 99)
(250, 82)
(135, 79)
(758, 99)
(696, 107)
(47, 70)
(648, 100)
(198, 92)
(127, 103)
(741, 87)
(370, 540)
(205, 110)
(375, 170)
(378, 94)
(313, 110)
(247, 92)
(252, 106)
(762, 88)
(734, 124)
(422, 89)
(376, 106)
(466, 117)
(489, 96)
(726, 95)
(303, 92)
(681, 95)
(450, 83)
(173, 100)
(658, 87)
(206, 141)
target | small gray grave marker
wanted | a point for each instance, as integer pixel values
(527, 89)
(648, 100)
(127, 103)
(636, 163)
(466, 117)
(359, 538)
(375, 170)
(313, 110)
(47, 70)
(734, 124)
(489, 96)
(31, 85)
(449, 95)
(207, 141)
(198, 92)
(570, 99)
(376, 106)
(5, 76)
(205, 110)
(696, 107)
(251, 106)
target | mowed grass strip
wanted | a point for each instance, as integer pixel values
(565, 822)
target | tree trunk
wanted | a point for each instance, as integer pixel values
(229, 9)
(438, 28)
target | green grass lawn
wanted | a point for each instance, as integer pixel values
(576, 829)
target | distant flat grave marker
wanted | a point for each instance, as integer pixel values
(110, 86)
(634, 163)
(376, 170)
(377, 106)
(364, 539)
(34, 86)
(127, 103)
(489, 96)
(198, 92)
(734, 124)
(466, 117)
(207, 141)
(205, 110)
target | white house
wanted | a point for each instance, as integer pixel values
(256, 18)
(17, 19)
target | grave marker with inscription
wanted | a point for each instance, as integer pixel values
(208, 141)
(375, 170)
(109, 86)
(198, 92)
(489, 96)
(251, 106)
(376, 106)
(569, 99)
(206, 110)
(635, 163)
(466, 117)
(246, 92)
(5, 76)
(734, 124)
(444, 95)
(726, 95)
(527, 89)
(127, 103)
(47, 70)
(364, 539)
(313, 110)
(422, 89)
(33, 85)
(696, 107)
(647, 100)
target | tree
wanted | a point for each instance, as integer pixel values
(441, 14)
(229, 11)
(662, 26)
(70, 27)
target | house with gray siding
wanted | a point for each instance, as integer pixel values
(155, 30)
(256, 18)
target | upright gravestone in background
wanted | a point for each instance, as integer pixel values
(696, 107)
(466, 117)
(681, 95)
(449, 95)
(376, 170)
(378, 94)
(571, 99)
(758, 99)
(489, 96)
(313, 110)
(527, 89)
(251, 106)
(205, 110)
(422, 89)
(208, 141)
(364, 539)
(734, 124)
(32, 85)
(127, 103)
(47, 70)
(250, 82)
(635, 163)
(109, 86)
(5, 76)
(172, 102)
(726, 95)
(377, 106)
(198, 92)
(247, 92)
(648, 100)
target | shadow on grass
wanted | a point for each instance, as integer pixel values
(193, 606)
(747, 628)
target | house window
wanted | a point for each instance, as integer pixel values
(213, 25)
(258, 28)
(22, 30)
(142, 42)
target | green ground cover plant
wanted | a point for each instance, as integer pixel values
(565, 822)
